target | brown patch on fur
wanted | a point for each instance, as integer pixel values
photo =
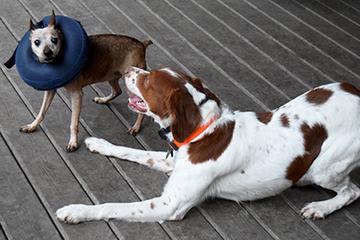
(152, 205)
(150, 162)
(264, 117)
(350, 89)
(166, 94)
(318, 96)
(285, 120)
(212, 145)
(313, 139)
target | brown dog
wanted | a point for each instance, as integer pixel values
(110, 56)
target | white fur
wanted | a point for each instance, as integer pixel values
(44, 36)
(253, 166)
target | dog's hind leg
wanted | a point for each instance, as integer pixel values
(115, 91)
(136, 128)
(76, 101)
(347, 192)
(48, 97)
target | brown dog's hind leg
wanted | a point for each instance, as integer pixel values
(115, 91)
(48, 97)
(136, 128)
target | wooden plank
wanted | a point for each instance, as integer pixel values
(283, 57)
(334, 15)
(21, 210)
(271, 20)
(333, 48)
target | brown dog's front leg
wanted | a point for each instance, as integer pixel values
(136, 128)
(48, 97)
(76, 101)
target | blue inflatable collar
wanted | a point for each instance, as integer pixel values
(66, 67)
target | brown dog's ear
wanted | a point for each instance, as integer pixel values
(186, 115)
(52, 20)
(32, 27)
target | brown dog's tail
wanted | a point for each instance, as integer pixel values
(147, 43)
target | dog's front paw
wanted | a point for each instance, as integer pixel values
(71, 147)
(27, 129)
(98, 145)
(315, 210)
(73, 214)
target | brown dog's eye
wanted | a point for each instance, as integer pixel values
(54, 40)
(37, 42)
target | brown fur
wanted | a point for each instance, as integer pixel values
(214, 144)
(264, 117)
(313, 139)
(110, 56)
(318, 95)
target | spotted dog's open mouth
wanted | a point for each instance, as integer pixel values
(137, 104)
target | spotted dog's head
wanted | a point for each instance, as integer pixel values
(170, 97)
(45, 42)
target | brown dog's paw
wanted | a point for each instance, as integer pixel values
(71, 148)
(27, 129)
(101, 100)
(133, 131)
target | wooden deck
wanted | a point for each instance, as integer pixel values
(254, 54)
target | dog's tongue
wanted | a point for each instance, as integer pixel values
(137, 103)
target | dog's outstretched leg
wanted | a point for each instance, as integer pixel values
(48, 97)
(76, 101)
(180, 194)
(153, 159)
(347, 192)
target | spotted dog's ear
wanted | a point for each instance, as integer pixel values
(185, 114)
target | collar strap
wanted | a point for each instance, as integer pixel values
(163, 131)
(175, 145)
(203, 101)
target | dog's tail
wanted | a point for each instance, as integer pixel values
(147, 43)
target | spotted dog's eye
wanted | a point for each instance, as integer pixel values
(54, 40)
(147, 79)
(37, 42)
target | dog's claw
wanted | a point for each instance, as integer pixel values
(71, 149)
(26, 129)
(133, 132)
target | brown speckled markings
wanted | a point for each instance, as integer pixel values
(350, 89)
(150, 162)
(318, 96)
(264, 117)
(313, 139)
(214, 143)
(285, 120)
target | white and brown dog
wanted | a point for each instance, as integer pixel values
(241, 156)
(110, 55)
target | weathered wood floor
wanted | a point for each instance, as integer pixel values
(254, 54)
